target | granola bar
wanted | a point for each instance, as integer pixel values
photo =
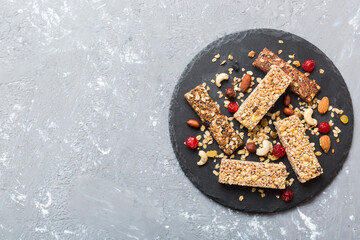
(208, 110)
(258, 103)
(253, 174)
(300, 85)
(298, 148)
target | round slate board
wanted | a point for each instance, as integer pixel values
(201, 69)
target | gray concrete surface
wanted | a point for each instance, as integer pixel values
(84, 96)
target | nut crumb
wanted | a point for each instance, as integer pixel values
(223, 62)
(296, 63)
(243, 69)
(280, 51)
(262, 195)
(217, 56)
(321, 71)
(230, 57)
(277, 196)
(332, 150)
(253, 189)
(307, 74)
(251, 54)
(202, 128)
(241, 198)
(281, 41)
(214, 59)
(337, 140)
(292, 56)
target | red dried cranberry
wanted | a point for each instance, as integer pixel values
(233, 107)
(287, 195)
(308, 65)
(192, 142)
(324, 127)
(278, 151)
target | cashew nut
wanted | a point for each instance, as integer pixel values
(221, 77)
(308, 117)
(265, 148)
(203, 158)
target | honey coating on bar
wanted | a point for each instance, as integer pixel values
(301, 85)
(259, 102)
(220, 128)
(253, 174)
(298, 148)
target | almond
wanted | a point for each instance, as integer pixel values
(288, 111)
(245, 83)
(323, 105)
(287, 100)
(325, 143)
(193, 123)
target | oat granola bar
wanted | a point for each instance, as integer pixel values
(253, 174)
(300, 85)
(208, 110)
(298, 148)
(258, 103)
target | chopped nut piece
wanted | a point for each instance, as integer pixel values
(251, 54)
(321, 71)
(202, 128)
(281, 41)
(223, 62)
(318, 153)
(277, 196)
(253, 189)
(292, 56)
(230, 57)
(296, 63)
(332, 150)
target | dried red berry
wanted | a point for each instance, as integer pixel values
(278, 151)
(192, 142)
(287, 195)
(233, 107)
(308, 65)
(324, 127)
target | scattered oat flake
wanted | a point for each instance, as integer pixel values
(253, 189)
(230, 57)
(307, 74)
(292, 56)
(223, 62)
(318, 153)
(321, 71)
(216, 173)
(217, 55)
(281, 41)
(337, 140)
(277, 196)
(262, 195)
(241, 198)
(214, 59)
(280, 51)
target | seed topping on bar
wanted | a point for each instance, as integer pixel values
(258, 103)
(219, 128)
(298, 148)
(253, 174)
(301, 84)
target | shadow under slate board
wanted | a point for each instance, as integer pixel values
(202, 69)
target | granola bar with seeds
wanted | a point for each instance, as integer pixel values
(208, 110)
(258, 103)
(301, 84)
(253, 174)
(299, 150)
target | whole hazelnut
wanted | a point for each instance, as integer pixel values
(230, 93)
(251, 147)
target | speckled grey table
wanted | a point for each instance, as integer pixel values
(84, 144)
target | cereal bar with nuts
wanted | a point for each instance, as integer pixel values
(300, 85)
(298, 148)
(219, 127)
(258, 103)
(253, 174)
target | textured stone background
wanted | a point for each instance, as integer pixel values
(85, 89)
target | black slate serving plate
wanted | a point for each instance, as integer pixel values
(201, 69)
